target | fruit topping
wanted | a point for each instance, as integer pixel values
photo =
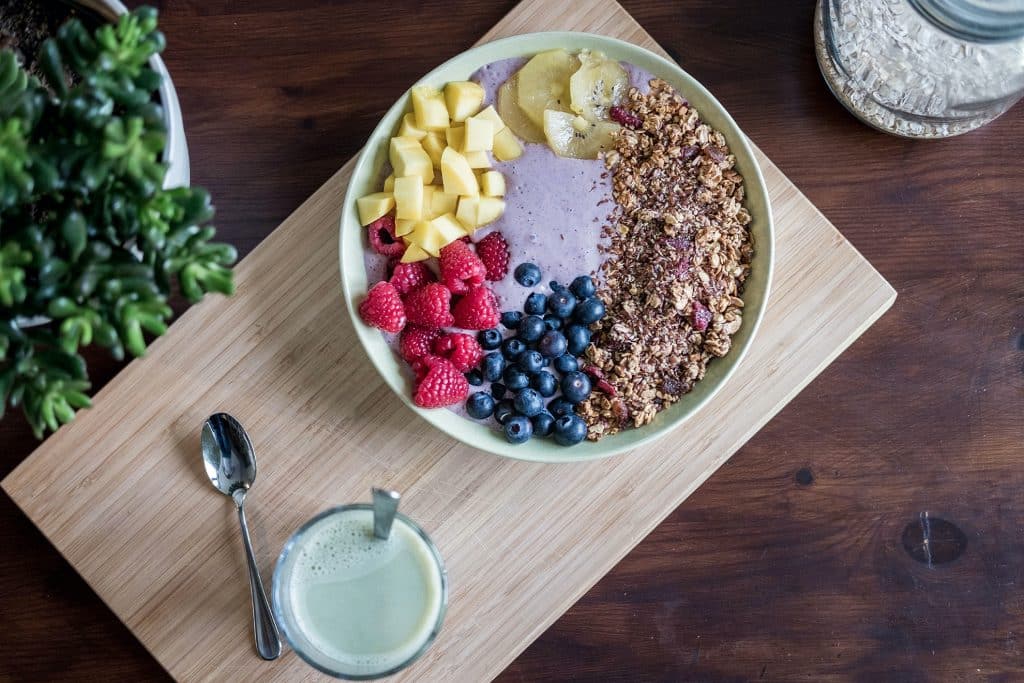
(477, 310)
(568, 138)
(416, 342)
(383, 308)
(493, 251)
(407, 277)
(527, 274)
(429, 306)
(383, 238)
(700, 316)
(543, 83)
(441, 385)
(625, 117)
(597, 85)
(460, 267)
(462, 350)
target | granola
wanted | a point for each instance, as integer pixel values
(679, 251)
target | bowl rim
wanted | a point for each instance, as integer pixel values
(587, 451)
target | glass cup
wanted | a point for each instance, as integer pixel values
(352, 605)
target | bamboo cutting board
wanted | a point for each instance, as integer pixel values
(122, 494)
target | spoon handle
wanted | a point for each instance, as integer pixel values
(268, 640)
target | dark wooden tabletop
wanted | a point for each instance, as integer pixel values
(803, 557)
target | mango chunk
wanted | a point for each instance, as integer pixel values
(449, 228)
(414, 253)
(389, 183)
(442, 202)
(479, 135)
(478, 159)
(507, 146)
(489, 113)
(404, 227)
(434, 143)
(492, 184)
(373, 206)
(463, 99)
(457, 175)
(455, 137)
(428, 202)
(429, 107)
(408, 158)
(469, 209)
(489, 210)
(409, 197)
(426, 237)
(409, 129)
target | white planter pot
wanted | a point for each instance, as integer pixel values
(176, 152)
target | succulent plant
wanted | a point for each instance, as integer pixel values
(89, 238)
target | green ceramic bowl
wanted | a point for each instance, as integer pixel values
(479, 434)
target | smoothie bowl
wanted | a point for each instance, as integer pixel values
(556, 246)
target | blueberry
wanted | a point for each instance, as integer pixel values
(552, 321)
(555, 285)
(560, 406)
(489, 339)
(474, 378)
(578, 337)
(536, 303)
(511, 319)
(588, 311)
(570, 430)
(531, 362)
(528, 402)
(512, 348)
(518, 429)
(547, 362)
(575, 386)
(503, 411)
(480, 404)
(531, 328)
(583, 287)
(494, 365)
(498, 390)
(545, 384)
(552, 344)
(566, 363)
(543, 422)
(527, 274)
(516, 379)
(561, 303)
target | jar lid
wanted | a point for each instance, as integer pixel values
(982, 21)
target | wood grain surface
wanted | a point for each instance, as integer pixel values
(802, 557)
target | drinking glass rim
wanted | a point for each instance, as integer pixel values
(277, 589)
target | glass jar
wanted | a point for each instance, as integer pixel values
(922, 68)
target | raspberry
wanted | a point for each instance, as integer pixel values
(416, 342)
(383, 238)
(700, 316)
(460, 267)
(493, 251)
(409, 276)
(440, 383)
(478, 310)
(625, 117)
(462, 350)
(429, 306)
(383, 308)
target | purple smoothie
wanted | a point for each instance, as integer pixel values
(555, 209)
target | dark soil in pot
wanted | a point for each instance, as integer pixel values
(25, 24)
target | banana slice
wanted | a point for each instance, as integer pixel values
(599, 84)
(513, 116)
(544, 83)
(571, 136)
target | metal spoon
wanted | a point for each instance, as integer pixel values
(231, 466)
(385, 505)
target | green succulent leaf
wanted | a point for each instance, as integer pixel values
(88, 236)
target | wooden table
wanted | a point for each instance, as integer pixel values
(803, 557)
